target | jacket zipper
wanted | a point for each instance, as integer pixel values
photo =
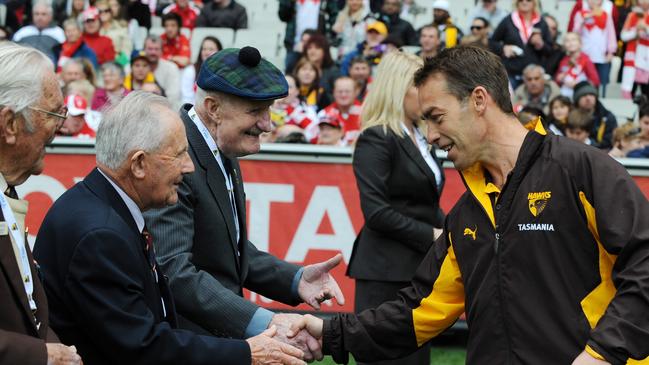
(501, 296)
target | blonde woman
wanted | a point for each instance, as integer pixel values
(400, 182)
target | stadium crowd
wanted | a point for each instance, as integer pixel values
(557, 72)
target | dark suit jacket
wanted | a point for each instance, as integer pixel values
(102, 291)
(21, 342)
(400, 203)
(197, 248)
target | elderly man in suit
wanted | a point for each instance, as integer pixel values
(107, 294)
(203, 244)
(31, 110)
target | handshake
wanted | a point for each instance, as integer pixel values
(290, 339)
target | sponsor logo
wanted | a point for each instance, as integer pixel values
(471, 233)
(536, 227)
(538, 201)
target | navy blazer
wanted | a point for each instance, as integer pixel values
(103, 295)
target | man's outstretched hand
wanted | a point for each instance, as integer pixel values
(317, 285)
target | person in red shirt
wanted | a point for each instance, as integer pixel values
(75, 125)
(345, 109)
(575, 67)
(188, 12)
(103, 46)
(175, 46)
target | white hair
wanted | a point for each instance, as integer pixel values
(21, 79)
(133, 124)
(43, 4)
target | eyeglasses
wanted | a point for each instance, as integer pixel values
(476, 27)
(61, 117)
(104, 11)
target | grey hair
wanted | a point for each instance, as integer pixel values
(153, 38)
(532, 67)
(73, 61)
(44, 4)
(72, 21)
(131, 125)
(112, 66)
(20, 86)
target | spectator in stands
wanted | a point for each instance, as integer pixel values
(521, 39)
(429, 41)
(603, 121)
(71, 70)
(74, 46)
(397, 27)
(166, 72)
(643, 115)
(489, 11)
(113, 90)
(135, 9)
(41, 35)
(186, 9)
(209, 46)
(599, 42)
(559, 108)
(350, 26)
(449, 33)
(479, 36)
(371, 49)
(102, 45)
(300, 16)
(536, 89)
(550, 61)
(360, 71)
(330, 132)
(81, 87)
(223, 14)
(116, 30)
(575, 67)
(175, 46)
(289, 133)
(70, 9)
(89, 71)
(583, 5)
(140, 72)
(307, 77)
(75, 125)
(345, 111)
(316, 50)
(625, 140)
(293, 110)
(117, 11)
(579, 126)
(636, 68)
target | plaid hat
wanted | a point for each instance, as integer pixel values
(378, 27)
(138, 55)
(91, 13)
(76, 104)
(583, 88)
(242, 72)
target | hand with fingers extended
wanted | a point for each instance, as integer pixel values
(311, 324)
(266, 350)
(302, 340)
(317, 285)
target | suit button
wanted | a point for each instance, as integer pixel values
(497, 206)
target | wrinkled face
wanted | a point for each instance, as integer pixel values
(572, 43)
(72, 33)
(452, 125)
(29, 148)
(167, 166)
(112, 80)
(587, 102)
(344, 92)
(315, 54)
(577, 134)
(534, 82)
(42, 16)
(153, 50)
(391, 7)
(525, 6)
(240, 122)
(411, 108)
(171, 29)
(354, 5)
(72, 72)
(306, 74)
(560, 111)
(329, 135)
(208, 48)
(429, 39)
(91, 26)
(644, 127)
(359, 71)
(140, 68)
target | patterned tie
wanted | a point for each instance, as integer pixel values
(149, 251)
(11, 192)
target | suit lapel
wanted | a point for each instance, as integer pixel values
(413, 152)
(215, 178)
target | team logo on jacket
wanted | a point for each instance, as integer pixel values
(470, 233)
(538, 201)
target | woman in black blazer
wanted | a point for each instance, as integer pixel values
(400, 182)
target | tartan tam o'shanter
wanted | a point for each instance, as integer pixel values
(242, 72)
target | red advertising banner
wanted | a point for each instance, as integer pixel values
(302, 212)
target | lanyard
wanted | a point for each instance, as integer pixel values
(19, 241)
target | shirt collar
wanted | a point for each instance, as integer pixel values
(130, 204)
(3, 184)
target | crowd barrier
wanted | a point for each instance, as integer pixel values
(302, 201)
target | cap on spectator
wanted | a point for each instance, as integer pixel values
(334, 122)
(581, 89)
(138, 55)
(242, 72)
(76, 104)
(441, 5)
(378, 27)
(91, 13)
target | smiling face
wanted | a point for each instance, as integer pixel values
(344, 92)
(240, 122)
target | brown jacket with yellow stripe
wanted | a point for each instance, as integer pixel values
(555, 263)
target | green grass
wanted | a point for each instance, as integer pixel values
(438, 356)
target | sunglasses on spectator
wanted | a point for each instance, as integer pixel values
(104, 11)
(476, 27)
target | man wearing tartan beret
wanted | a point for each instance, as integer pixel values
(201, 242)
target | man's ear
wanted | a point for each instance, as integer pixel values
(213, 106)
(138, 164)
(9, 125)
(479, 98)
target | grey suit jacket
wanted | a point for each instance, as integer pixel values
(196, 246)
